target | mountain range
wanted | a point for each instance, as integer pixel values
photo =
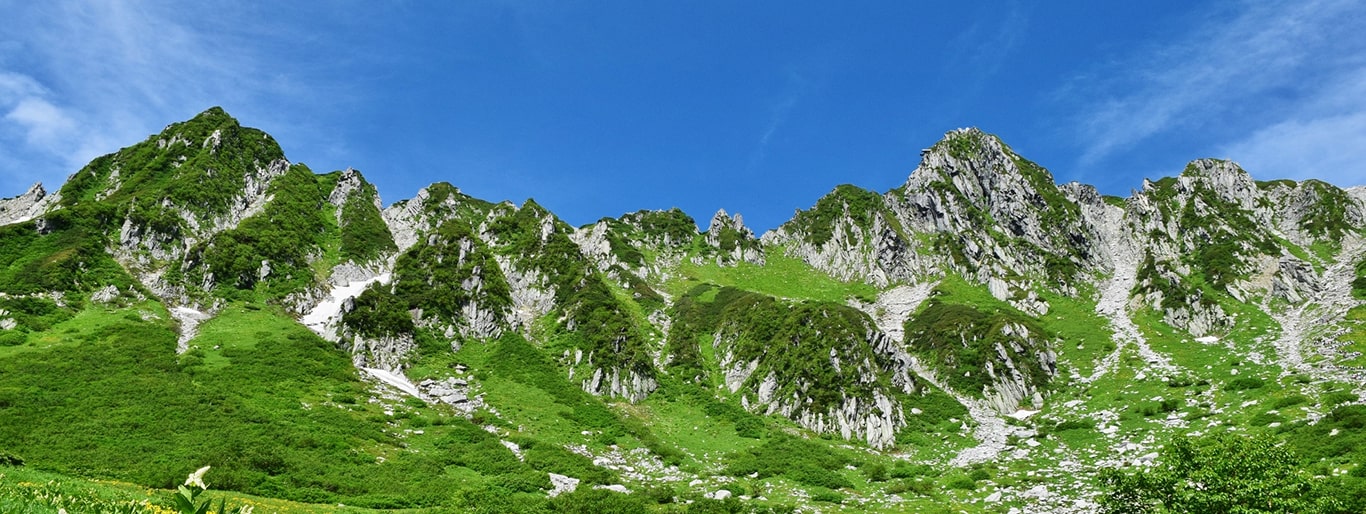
(980, 338)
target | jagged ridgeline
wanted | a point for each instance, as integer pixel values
(905, 322)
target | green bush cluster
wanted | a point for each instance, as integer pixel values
(69, 257)
(960, 339)
(288, 234)
(1244, 384)
(796, 459)
(792, 341)
(1221, 473)
(364, 235)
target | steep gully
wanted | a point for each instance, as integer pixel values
(1113, 304)
(1309, 319)
(890, 313)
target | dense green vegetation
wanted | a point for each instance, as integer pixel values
(198, 165)
(68, 256)
(780, 275)
(633, 235)
(798, 343)
(274, 248)
(858, 205)
(798, 460)
(1221, 473)
(268, 405)
(960, 337)
(442, 274)
(364, 236)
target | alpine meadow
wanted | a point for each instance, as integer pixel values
(979, 339)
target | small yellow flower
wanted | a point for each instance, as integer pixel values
(197, 478)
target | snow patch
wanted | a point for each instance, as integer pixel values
(322, 319)
(189, 325)
(397, 380)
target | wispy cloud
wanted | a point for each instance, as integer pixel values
(1324, 138)
(1256, 68)
(983, 47)
(78, 79)
(798, 85)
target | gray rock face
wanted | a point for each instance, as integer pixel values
(412, 218)
(451, 391)
(620, 383)
(349, 184)
(971, 187)
(31, 204)
(877, 255)
(387, 353)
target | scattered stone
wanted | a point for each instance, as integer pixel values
(561, 484)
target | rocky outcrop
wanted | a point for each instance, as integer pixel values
(384, 352)
(733, 241)
(1002, 357)
(31, 204)
(622, 383)
(1211, 221)
(868, 413)
(995, 213)
(796, 374)
(350, 184)
(876, 254)
(435, 204)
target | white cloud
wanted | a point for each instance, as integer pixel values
(1331, 148)
(1324, 138)
(1251, 69)
(44, 124)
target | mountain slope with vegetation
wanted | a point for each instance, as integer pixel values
(979, 339)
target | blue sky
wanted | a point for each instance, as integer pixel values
(600, 108)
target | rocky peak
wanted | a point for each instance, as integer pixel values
(1225, 178)
(977, 165)
(722, 221)
(735, 241)
(433, 205)
(349, 183)
(1001, 214)
(26, 206)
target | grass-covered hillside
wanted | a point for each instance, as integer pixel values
(980, 339)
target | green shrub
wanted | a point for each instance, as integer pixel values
(960, 481)
(12, 338)
(1245, 383)
(1290, 401)
(978, 475)
(827, 496)
(875, 472)
(1339, 398)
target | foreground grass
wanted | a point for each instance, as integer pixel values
(29, 491)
